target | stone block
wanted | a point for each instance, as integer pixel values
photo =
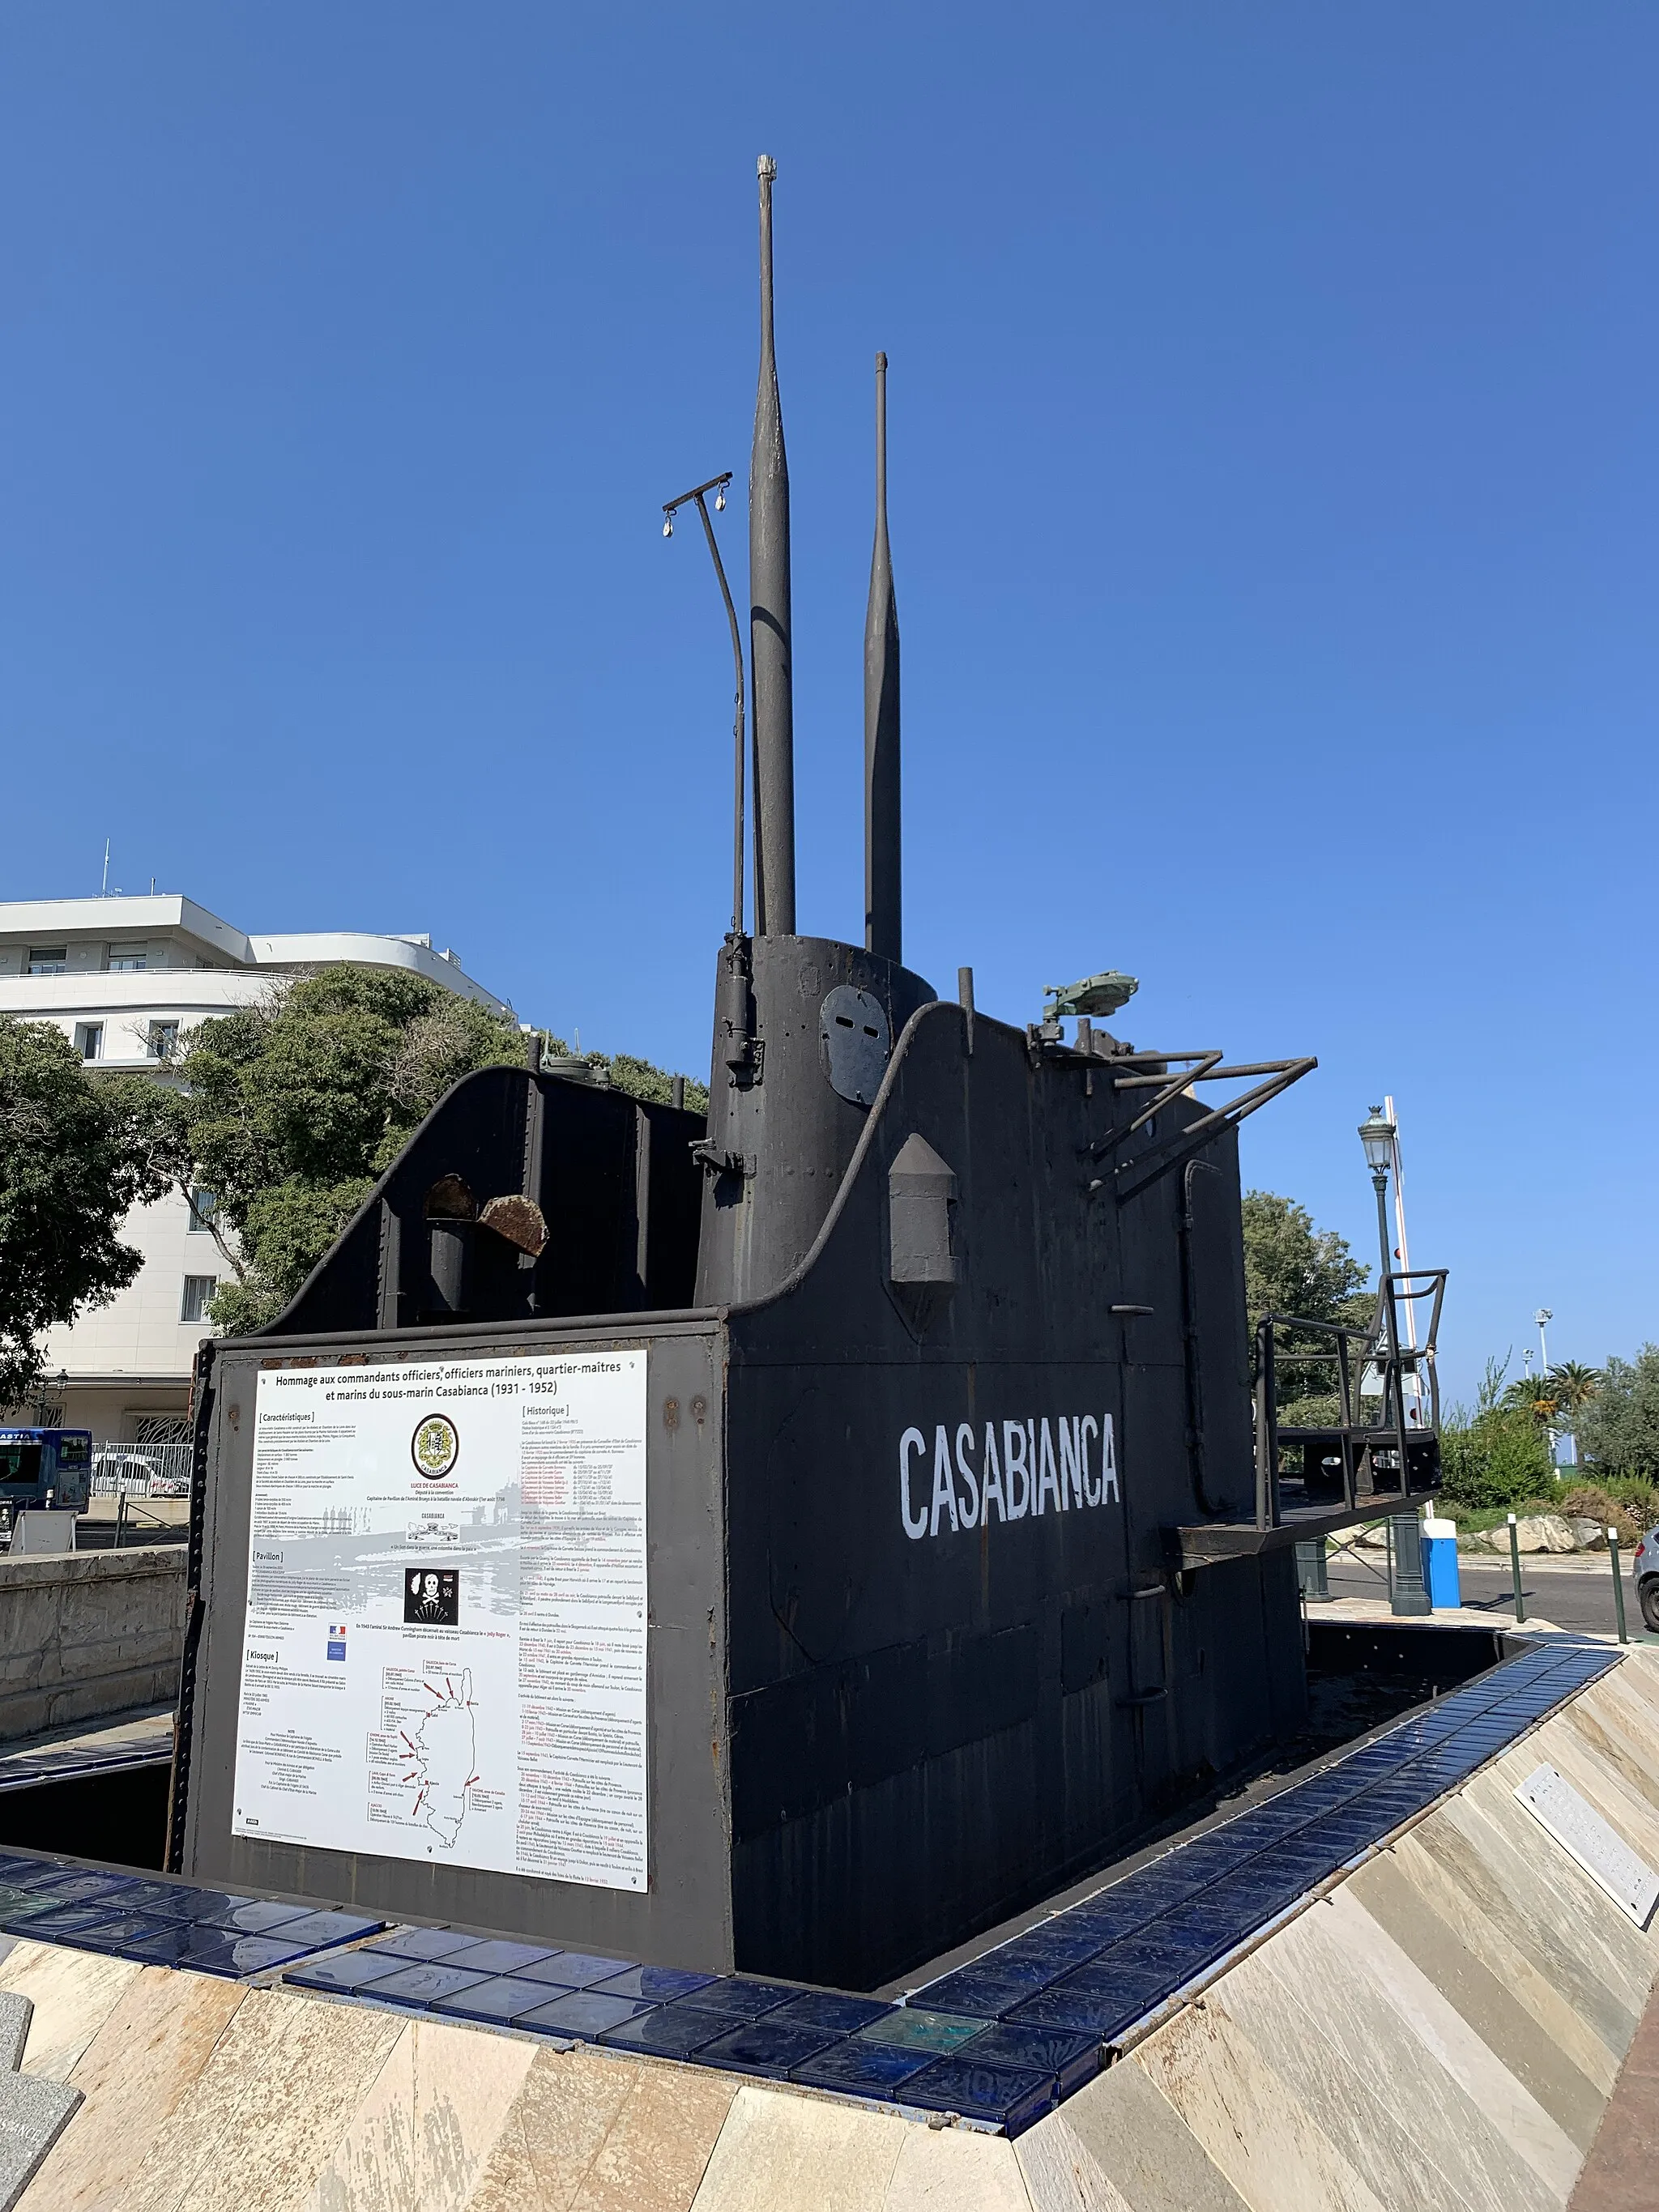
(956, 2170)
(421, 2134)
(258, 2126)
(1121, 2143)
(134, 2074)
(34, 2113)
(794, 2154)
(72, 1993)
(16, 2012)
(1256, 2129)
(1443, 1951)
(588, 2132)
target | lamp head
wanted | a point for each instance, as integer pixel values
(1376, 1135)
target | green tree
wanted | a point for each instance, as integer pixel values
(1291, 1267)
(1618, 1430)
(72, 1163)
(1573, 1385)
(292, 1108)
(289, 1110)
(1497, 1454)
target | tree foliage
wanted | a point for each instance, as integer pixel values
(1496, 1454)
(1291, 1267)
(295, 1106)
(1618, 1429)
(73, 1161)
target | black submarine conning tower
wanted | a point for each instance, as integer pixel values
(804, 1026)
(929, 1551)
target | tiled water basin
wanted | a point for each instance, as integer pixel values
(997, 2042)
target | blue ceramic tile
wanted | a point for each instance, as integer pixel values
(22, 1908)
(582, 2012)
(1070, 2059)
(136, 1897)
(347, 1971)
(1054, 1945)
(234, 1955)
(740, 1997)
(1010, 1964)
(1002, 2094)
(190, 1906)
(255, 1917)
(419, 1984)
(428, 1943)
(501, 1998)
(62, 1924)
(652, 1984)
(119, 1933)
(667, 2031)
(767, 2046)
(167, 1948)
(973, 1991)
(17, 1872)
(1098, 2012)
(829, 2008)
(498, 1957)
(864, 2069)
(918, 2030)
(318, 1929)
(83, 1889)
(573, 1970)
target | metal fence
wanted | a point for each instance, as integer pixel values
(140, 1470)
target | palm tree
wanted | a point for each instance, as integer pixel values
(1535, 1394)
(1574, 1385)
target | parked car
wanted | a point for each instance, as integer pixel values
(1644, 1567)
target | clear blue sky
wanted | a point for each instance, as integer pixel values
(1273, 498)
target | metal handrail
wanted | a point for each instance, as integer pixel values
(1379, 1348)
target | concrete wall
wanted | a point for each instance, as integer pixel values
(88, 1635)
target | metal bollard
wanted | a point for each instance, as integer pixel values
(1312, 1572)
(1618, 1582)
(1515, 1570)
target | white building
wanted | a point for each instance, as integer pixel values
(124, 978)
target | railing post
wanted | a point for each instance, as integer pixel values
(1618, 1582)
(1267, 1431)
(1515, 1570)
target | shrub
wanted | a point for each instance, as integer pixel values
(1590, 1502)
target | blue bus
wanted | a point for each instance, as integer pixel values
(41, 1465)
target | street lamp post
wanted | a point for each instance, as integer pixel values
(1542, 1317)
(1410, 1594)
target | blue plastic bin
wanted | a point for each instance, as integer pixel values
(1440, 1564)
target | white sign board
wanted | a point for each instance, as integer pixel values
(444, 1655)
(1585, 1835)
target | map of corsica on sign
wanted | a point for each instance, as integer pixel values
(443, 1746)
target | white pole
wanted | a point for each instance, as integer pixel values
(1401, 1245)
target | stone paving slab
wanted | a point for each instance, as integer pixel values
(138, 2068)
(34, 2113)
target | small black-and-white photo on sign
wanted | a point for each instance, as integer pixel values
(431, 1598)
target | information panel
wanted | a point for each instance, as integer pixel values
(444, 1656)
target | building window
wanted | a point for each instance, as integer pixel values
(89, 1040)
(199, 1289)
(127, 959)
(48, 959)
(201, 1205)
(163, 1039)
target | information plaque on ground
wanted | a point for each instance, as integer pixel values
(444, 1655)
(1600, 1850)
